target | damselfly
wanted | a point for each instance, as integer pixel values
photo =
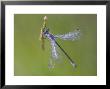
(54, 44)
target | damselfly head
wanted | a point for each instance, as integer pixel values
(46, 31)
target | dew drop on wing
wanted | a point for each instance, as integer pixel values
(51, 64)
(74, 35)
(54, 52)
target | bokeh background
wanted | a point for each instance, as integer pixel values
(31, 60)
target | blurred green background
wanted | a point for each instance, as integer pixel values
(31, 60)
